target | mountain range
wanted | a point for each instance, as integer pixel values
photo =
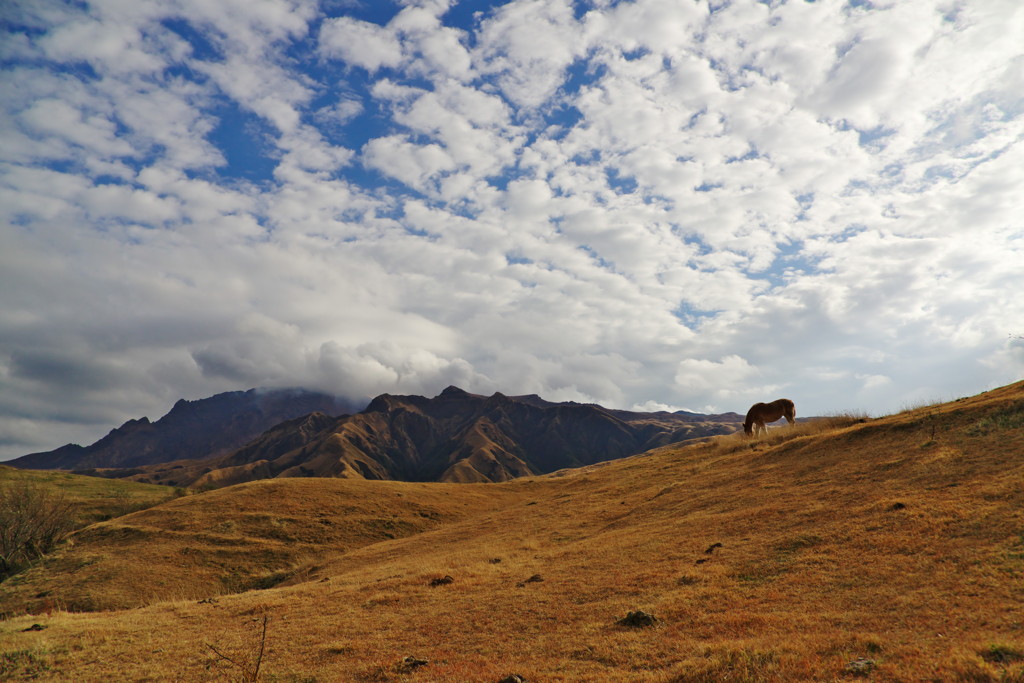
(454, 437)
(192, 429)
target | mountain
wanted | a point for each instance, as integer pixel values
(192, 429)
(453, 437)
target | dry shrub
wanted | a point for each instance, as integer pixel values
(33, 520)
(248, 665)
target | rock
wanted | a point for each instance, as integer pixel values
(712, 548)
(514, 678)
(409, 664)
(860, 667)
(638, 619)
(533, 579)
(442, 581)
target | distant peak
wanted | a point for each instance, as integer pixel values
(131, 425)
(380, 404)
(454, 392)
(181, 406)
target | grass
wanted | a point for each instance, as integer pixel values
(23, 664)
(94, 498)
(1002, 654)
(1004, 418)
(249, 537)
(839, 543)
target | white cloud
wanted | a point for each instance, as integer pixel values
(57, 118)
(641, 204)
(698, 376)
(360, 43)
(528, 45)
(412, 164)
(112, 46)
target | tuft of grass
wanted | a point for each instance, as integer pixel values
(1011, 417)
(740, 664)
(799, 542)
(781, 433)
(23, 664)
(919, 405)
(1002, 654)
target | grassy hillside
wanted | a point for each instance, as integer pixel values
(93, 499)
(251, 536)
(891, 549)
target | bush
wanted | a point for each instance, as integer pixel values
(33, 520)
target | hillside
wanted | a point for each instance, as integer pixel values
(453, 437)
(250, 536)
(890, 548)
(192, 429)
(92, 499)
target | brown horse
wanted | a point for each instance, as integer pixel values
(762, 413)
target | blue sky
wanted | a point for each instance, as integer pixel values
(656, 204)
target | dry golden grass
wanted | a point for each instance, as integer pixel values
(888, 549)
(251, 536)
(93, 498)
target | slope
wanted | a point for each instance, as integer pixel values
(92, 499)
(250, 536)
(892, 548)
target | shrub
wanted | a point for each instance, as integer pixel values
(1002, 654)
(1007, 418)
(33, 520)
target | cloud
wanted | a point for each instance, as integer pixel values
(508, 48)
(413, 164)
(649, 203)
(360, 43)
(725, 381)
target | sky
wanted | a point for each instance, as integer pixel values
(647, 204)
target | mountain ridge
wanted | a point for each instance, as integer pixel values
(456, 436)
(192, 428)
